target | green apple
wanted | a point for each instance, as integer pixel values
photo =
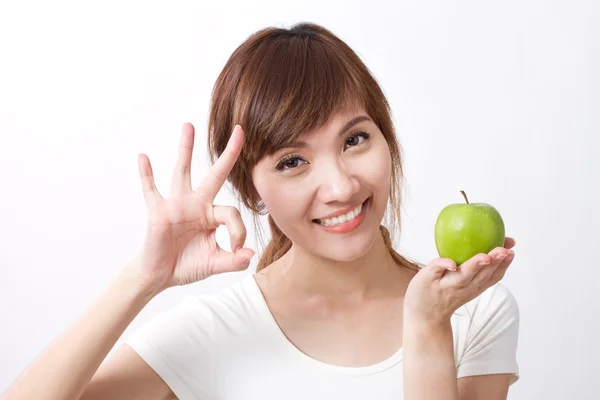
(464, 230)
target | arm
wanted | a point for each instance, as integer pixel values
(126, 376)
(179, 248)
(484, 387)
(428, 357)
(430, 369)
(66, 367)
(433, 295)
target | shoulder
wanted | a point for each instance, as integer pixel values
(495, 304)
(235, 304)
(196, 320)
(493, 309)
(189, 335)
(486, 333)
(184, 343)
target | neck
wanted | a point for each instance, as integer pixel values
(360, 278)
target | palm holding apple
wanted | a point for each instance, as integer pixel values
(470, 236)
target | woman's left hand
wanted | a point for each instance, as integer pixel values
(440, 288)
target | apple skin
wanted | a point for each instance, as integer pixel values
(464, 230)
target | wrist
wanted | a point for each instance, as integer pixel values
(133, 278)
(419, 322)
(428, 338)
(429, 359)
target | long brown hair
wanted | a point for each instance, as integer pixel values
(281, 83)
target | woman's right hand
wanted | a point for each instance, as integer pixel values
(180, 245)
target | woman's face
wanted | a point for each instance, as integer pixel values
(337, 170)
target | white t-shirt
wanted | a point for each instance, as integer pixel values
(228, 346)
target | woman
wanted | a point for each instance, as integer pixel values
(302, 131)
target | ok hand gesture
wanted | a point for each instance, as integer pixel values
(180, 246)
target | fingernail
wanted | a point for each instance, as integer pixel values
(500, 256)
(483, 263)
(248, 258)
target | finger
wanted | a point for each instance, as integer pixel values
(436, 268)
(501, 270)
(220, 170)
(151, 194)
(497, 257)
(468, 269)
(231, 218)
(181, 182)
(498, 253)
(230, 262)
(509, 243)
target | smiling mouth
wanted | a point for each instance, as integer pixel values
(342, 219)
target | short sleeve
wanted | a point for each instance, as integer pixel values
(491, 343)
(177, 345)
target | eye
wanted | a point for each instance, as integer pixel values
(355, 139)
(288, 163)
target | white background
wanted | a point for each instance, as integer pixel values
(499, 99)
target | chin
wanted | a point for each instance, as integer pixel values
(346, 249)
(346, 256)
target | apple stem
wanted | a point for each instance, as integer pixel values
(465, 196)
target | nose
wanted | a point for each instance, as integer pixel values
(337, 183)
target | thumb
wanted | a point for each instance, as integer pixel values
(230, 262)
(242, 257)
(436, 268)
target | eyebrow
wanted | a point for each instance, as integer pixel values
(345, 128)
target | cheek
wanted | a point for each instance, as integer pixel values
(376, 168)
(282, 199)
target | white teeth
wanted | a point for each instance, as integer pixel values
(340, 219)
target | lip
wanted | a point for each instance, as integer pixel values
(342, 212)
(348, 226)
